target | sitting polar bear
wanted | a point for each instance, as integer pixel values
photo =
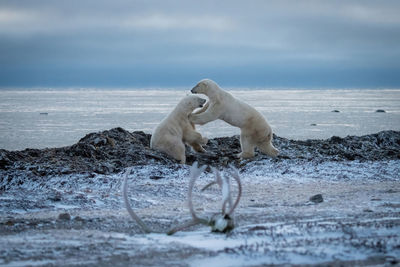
(255, 131)
(175, 130)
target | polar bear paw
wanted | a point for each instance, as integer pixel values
(204, 141)
(245, 155)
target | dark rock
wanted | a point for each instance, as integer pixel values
(349, 156)
(313, 124)
(335, 140)
(156, 177)
(64, 216)
(391, 191)
(258, 228)
(54, 196)
(79, 219)
(113, 150)
(317, 198)
(9, 223)
(380, 111)
(391, 260)
(335, 110)
(4, 161)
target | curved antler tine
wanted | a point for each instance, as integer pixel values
(194, 174)
(235, 174)
(226, 193)
(128, 205)
(217, 179)
(230, 194)
(208, 185)
(195, 170)
(183, 227)
(217, 175)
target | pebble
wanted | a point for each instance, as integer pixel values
(64, 216)
(9, 223)
(317, 198)
(54, 196)
(79, 219)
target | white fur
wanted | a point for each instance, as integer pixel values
(255, 131)
(175, 130)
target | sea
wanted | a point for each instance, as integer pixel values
(46, 117)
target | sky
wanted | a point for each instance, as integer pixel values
(266, 44)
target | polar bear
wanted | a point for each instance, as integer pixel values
(255, 131)
(175, 130)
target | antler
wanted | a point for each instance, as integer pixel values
(224, 184)
(195, 173)
(218, 179)
(235, 175)
(220, 222)
(128, 206)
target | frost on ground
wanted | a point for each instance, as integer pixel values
(79, 217)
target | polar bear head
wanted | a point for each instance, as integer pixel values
(206, 87)
(191, 102)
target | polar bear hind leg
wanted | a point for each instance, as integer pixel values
(269, 149)
(247, 147)
(266, 147)
(178, 152)
(175, 149)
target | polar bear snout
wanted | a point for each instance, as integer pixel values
(194, 89)
(200, 88)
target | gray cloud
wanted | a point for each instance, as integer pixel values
(336, 43)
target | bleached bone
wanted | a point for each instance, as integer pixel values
(235, 175)
(194, 173)
(219, 222)
(133, 215)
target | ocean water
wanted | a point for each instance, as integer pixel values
(54, 118)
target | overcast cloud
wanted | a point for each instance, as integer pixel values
(176, 43)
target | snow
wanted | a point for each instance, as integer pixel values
(276, 222)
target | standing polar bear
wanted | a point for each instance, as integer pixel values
(175, 130)
(255, 131)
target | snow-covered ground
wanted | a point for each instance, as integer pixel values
(80, 219)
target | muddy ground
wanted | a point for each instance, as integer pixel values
(63, 206)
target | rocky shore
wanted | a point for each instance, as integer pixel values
(113, 150)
